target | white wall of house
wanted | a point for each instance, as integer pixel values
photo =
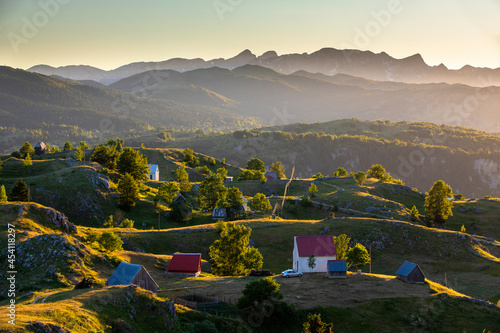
(300, 263)
(154, 172)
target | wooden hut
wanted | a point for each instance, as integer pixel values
(126, 274)
(337, 269)
(410, 272)
(188, 264)
(40, 148)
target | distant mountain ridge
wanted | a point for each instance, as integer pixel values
(276, 98)
(327, 61)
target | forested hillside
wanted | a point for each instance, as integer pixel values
(417, 153)
(35, 107)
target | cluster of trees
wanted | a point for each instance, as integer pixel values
(131, 164)
(356, 255)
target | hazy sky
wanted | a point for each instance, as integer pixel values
(111, 33)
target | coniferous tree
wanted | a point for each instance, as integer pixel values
(107, 156)
(3, 194)
(67, 146)
(212, 189)
(128, 191)
(313, 189)
(19, 192)
(133, 163)
(26, 150)
(79, 154)
(27, 161)
(414, 214)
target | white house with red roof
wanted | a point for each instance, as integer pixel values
(321, 247)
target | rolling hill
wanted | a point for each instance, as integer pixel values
(275, 98)
(417, 153)
(37, 107)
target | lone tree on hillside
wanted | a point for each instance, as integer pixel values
(258, 292)
(278, 168)
(230, 254)
(414, 215)
(360, 177)
(26, 150)
(341, 246)
(438, 203)
(67, 146)
(128, 191)
(256, 164)
(27, 161)
(341, 172)
(19, 192)
(78, 154)
(133, 163)
(3, 194)
(188, 155)
(357, 256)
(376, 171)
(313, 189)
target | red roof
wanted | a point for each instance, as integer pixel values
(185, 263)
(319, 246)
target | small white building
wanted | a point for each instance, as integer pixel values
(154, 172)
(321, 247)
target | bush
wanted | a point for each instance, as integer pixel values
(16, 154)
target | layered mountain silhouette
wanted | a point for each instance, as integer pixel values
(275, 98)
(327, 61)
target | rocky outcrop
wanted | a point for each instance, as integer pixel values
(40, 327)
(55, 217)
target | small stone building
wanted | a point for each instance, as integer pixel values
(411, 273)
(41, 148)
(126, 274)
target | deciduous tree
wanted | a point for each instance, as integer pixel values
(230, 254)
(133, 163)
(360, 177)
(258, 292)
(260, 202)
(341, 246)
(278, 168)
(168, 191)
(256, 164)
(341, 172)
(212, 189)
(357, 256)
(183, 178)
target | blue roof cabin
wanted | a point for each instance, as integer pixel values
(410, 272)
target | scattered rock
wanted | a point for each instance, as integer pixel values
(39, 327)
